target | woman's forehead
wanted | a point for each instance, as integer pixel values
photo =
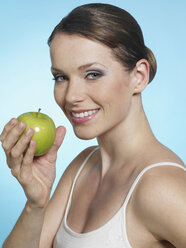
(77, 42)
(65, 47)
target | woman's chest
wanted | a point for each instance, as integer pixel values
(94, 203)
(93, 207)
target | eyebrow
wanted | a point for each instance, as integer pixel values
(56, 69)
(81, 67)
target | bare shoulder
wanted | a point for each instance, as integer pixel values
(160, 200)
(69, 174)
(77, 162)
(57, 205)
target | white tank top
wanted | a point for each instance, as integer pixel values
(112, 234)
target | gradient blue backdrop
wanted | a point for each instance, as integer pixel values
(26, 83)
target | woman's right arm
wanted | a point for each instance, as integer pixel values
(43, 223)
(27, 230)
(41, 218)
(36, 176)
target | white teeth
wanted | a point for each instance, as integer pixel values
(83, 114)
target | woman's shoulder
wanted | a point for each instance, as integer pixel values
(162, 174)
(72, 169)
(161, 177)
(78, 161)
(160, 197)
(160, 167)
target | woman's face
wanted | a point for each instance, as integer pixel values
(91, 87)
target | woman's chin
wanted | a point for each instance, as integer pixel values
(84, 135)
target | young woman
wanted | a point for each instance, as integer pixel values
(130, 190)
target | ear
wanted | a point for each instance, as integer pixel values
(141, 73)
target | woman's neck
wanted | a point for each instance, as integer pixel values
(126, 140)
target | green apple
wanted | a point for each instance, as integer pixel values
(44, 130)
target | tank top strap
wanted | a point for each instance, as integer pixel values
(141, 174)
(75, 179)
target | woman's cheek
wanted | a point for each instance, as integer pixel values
(56, 97)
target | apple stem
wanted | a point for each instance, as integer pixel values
(38, 112)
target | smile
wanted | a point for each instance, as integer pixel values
(84, 114)
(80, 117)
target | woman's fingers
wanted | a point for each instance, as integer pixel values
(14, 145)
(12, 123)
(11, 136)
(14, 159)
(26, 167)
(21, 145)
(29, 155)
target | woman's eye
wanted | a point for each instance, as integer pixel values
(93, 75)
(60, 78)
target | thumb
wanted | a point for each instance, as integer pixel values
(60, 134)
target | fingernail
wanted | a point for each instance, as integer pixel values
(12, 122)
(20, 126)
(28, 132)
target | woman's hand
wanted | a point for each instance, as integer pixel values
(35, 174)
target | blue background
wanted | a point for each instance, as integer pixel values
(26, 82)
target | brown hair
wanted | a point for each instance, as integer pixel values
(113, 27)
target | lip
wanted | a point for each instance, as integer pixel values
(82, 110)
(82, 120)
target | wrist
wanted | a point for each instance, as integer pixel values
(33, 208)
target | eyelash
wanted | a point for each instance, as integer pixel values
(56, 78)
(93, 75)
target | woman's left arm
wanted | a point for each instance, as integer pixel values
(161, 203)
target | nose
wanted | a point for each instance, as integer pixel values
(75, 92)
